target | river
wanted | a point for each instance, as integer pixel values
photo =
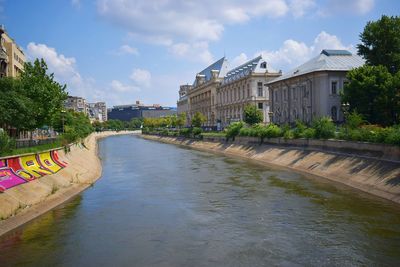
(164, 205)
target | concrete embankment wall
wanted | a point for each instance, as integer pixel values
(27, 201)
(372, 168)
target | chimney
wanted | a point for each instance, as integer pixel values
(200, 79)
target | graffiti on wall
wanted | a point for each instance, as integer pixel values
(20, 170)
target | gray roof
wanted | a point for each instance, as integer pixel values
(220, 65)
(251, 66)
(327, 60)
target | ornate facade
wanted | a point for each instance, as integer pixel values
(202, 96)
(244, 85)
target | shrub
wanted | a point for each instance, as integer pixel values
(164, 132)
(309, 133)
(269, 131)
(289, 134)
(324, 128)
(354, 120)
(233, 130)
(298, 132)
(393, 136)
(185, 132)
(6, 143)
(197, 131)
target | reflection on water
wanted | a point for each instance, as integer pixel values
(161, 205)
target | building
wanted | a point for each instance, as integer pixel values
(98, 111)
(244, 85)
(77, 104)
(202, 96)
(138, 110)
(312, 89)
(12, 57)
(183, 103)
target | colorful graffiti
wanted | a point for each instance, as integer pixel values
(20, 170)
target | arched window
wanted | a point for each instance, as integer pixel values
(334, 113)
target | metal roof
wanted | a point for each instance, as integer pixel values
(220, 65)
(327, 60)
(251, 66)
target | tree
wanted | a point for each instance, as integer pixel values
(198, 119)
(374, 93)
(15, 106)
(252, 115)
(47, 95)
(180, 122)
(381, 43)
(135, 123)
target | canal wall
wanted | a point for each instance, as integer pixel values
(49, 179)
(372, 168)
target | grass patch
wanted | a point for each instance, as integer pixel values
(34, 149)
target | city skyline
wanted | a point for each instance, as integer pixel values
(123, 51)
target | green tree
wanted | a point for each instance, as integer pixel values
(181, 119)
(135, 123)
(15, 106)
(381, 43)
(198, 119)
(47, 95)
(374, 93)
(252, 115)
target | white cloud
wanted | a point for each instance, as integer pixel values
(293, 53)
(141, 77)
(239, 60)
(76, 3)
(197, 51)
(123, 88)
(190, 20)
(126, 50)
(300, 7)
(65, 71)
(354, 7)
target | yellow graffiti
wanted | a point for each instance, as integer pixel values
(47, 162)
(32, 166)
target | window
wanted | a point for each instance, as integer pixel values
(260, 88)
(260, 105)
(263, 65)
(294, 93)
(276, 95)
(284, 95)
(334, 113)
(334, 88)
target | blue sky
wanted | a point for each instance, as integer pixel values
(120, 51)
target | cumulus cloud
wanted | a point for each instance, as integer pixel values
(197, 51)
(239, 60)
(141, 77)
(126, 50)
(123, 88)
(357, 7)
(66, 72)
(293, 53)
(193, 20)
(300, 7)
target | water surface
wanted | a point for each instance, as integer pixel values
(163, 205)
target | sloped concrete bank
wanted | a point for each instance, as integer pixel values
(379, 176)
(23, 203)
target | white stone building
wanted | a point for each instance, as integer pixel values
(244, 85)
(312, 89)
